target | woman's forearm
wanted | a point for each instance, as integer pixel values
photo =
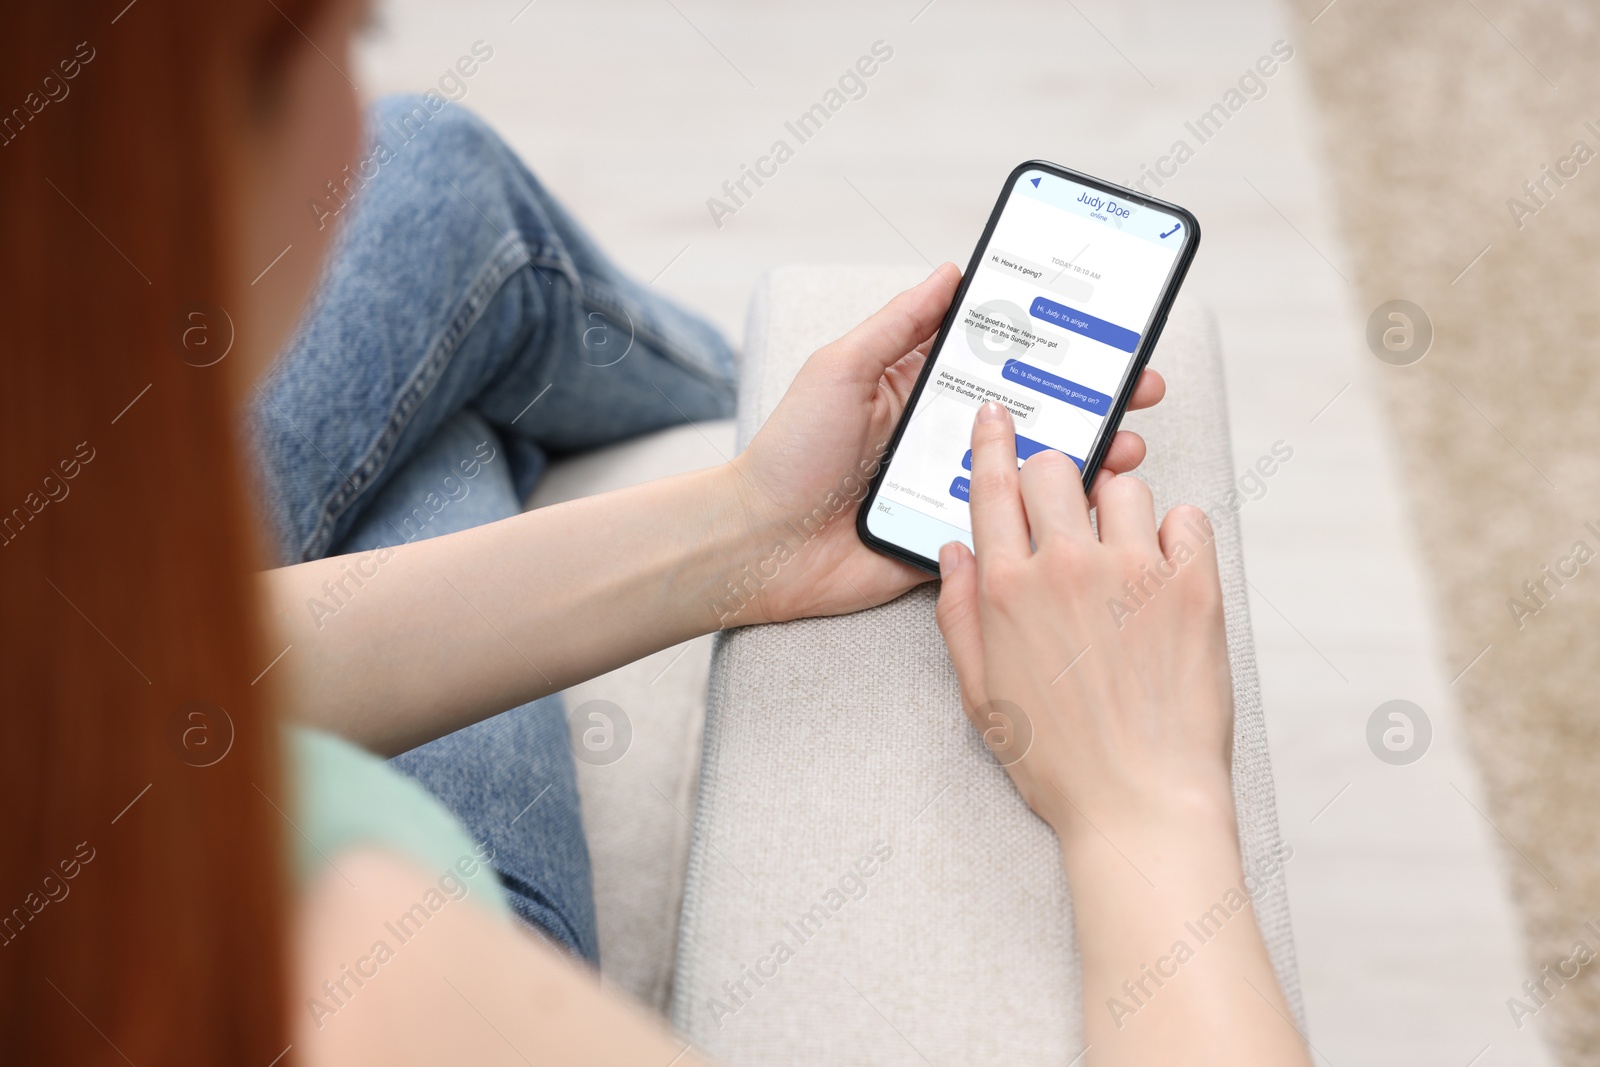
(396, 647)
(445, 632)
(1173, 961)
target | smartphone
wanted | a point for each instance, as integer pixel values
(1056, 316)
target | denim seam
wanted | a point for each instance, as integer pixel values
(555, 916)
(607, 300)
(512, 255)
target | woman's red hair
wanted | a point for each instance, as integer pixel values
(142, 897)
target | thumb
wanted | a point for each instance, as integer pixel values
(957, 616)
(901, 325)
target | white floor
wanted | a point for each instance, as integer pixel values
(636, 113)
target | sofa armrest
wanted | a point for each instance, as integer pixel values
(864, 881)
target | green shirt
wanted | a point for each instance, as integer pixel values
(346, 797)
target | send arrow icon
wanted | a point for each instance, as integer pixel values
(1035, 182)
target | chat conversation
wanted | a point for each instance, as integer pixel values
(1051, 322)
(971, 393)
(1054, 385)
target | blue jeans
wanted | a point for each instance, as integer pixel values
(464, 332)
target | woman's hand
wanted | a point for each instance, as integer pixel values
(1108, 650)
(571, 591)
(1096, 667)
(806, 472)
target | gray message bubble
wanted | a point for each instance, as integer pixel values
(968, 392)
(1053, 279)
(996, 345)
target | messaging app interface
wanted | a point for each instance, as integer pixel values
(1049, 325)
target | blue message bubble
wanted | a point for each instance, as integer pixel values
(961, 489)
(1107, 333)
(1054, 385)
(1026, 446)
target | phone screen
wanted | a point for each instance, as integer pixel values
(1057, 315)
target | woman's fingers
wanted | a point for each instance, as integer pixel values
(1052, 496)
(999, 526)
(901, 377)
(1126, 452)
(957, 616)
(1127, 515)
(1148, 393)
(1186, 535)
(904, 323)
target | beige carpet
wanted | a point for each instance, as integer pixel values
(1435, 114)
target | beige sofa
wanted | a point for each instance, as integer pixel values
(845, 807)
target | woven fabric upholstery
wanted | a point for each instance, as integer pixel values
(848, 812)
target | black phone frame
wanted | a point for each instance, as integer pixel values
(1147, 341)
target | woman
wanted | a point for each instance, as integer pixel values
(155, 182)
